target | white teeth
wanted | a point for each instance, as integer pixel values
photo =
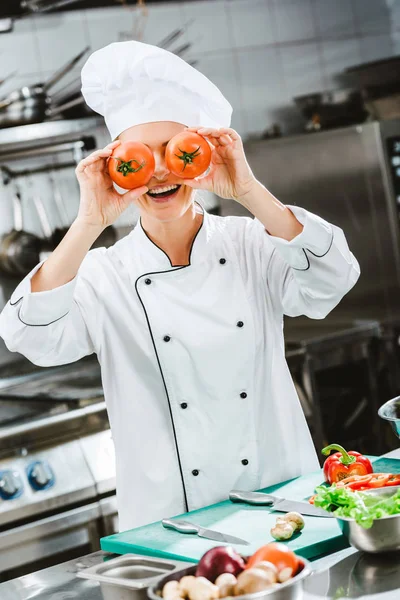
(164, 189)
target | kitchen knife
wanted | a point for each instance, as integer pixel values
(186, 527)
(278, 504)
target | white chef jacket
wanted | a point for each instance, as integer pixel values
(198, 392)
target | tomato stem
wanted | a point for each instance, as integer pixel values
(345, 459)
(187, 157)
(125, 166)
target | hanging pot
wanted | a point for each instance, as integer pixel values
(30, 104)
(19, 250)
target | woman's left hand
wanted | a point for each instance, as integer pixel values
(230, 175)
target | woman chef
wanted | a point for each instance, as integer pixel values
(186, 313)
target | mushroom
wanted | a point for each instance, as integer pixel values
(285, 574)
(269, 568)
(226, 583)
(296, 518)
(186, 584)
(252, 581)
(171, 591)
(282, 530)
(203, 589)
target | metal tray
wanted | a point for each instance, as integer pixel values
(291, 590)
(127, 577)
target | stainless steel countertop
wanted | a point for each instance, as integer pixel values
(344, 574)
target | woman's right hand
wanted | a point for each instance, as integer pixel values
(100, 203)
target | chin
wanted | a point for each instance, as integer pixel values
(169, 210)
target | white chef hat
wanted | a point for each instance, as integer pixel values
(131, 83)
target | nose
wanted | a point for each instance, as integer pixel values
(161, 171)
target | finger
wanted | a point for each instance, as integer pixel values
(99, 155)
(136, 193)
(234, 134)
(225, 140)
(198, 184)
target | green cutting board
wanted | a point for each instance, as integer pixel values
(251, 523)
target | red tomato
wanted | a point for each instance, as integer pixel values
(131, 165)
(188, 155)
(278, 554)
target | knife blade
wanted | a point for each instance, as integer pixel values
(210, 534)
(278, 504)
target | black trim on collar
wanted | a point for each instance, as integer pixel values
(163, 251)
(325, 253)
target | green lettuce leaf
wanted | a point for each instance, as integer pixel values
(362, 507)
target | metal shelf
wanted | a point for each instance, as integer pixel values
(25, 136)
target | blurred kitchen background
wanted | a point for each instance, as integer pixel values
(315, 86)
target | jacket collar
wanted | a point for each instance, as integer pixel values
(137, 245)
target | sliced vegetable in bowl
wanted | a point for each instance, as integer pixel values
(273, 568)
(363, 507)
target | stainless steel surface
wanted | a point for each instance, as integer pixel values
(128, 577)
(43, 151)
(390, 411)
(73, 482)
(291, 590)
(344, 574)
(54, 131)
(37, 540)
(383, 536)
(344, 176)
(278, 504)
(190, 528)
(55, 470)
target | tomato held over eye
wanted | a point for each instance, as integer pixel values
(131, 165)
(188, 155)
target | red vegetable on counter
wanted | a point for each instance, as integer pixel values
(344, 464)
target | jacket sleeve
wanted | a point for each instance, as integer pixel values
(50, 328)
(310, 274)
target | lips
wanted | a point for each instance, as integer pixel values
(163, 195)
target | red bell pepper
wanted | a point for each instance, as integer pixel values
(343, 464)
(394, 479)
(355, 482)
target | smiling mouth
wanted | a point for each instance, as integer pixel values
(169, 192)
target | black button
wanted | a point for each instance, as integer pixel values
(184, 405)
(147, 281)
(222, 261)
(240, 323)
(167, 338)
(195, 472)
(243, 395)
(245, 462)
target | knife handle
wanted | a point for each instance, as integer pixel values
(180, 526)
(254, 498)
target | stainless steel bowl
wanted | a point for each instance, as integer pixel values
(383, 536)
(391, 412)
(291, 590)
